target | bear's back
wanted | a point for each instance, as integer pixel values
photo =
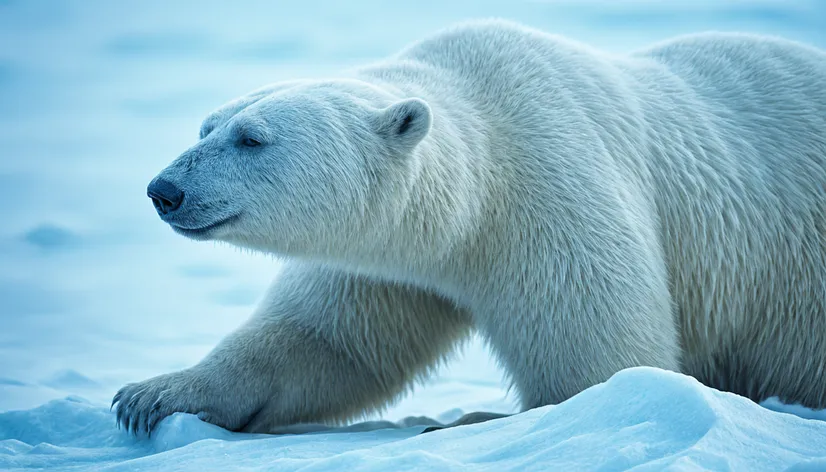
(764, 93)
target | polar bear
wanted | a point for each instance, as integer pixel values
(583, 212)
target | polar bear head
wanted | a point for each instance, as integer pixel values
(298, 168)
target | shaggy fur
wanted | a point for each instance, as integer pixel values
(584, 212)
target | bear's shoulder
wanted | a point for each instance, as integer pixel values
(470, 40)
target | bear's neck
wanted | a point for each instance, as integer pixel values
(431, 240)
(448, 206)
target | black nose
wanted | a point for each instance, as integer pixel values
(165, 195)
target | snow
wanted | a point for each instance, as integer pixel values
(96, 97)
(641, 418)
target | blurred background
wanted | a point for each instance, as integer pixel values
(97, 96)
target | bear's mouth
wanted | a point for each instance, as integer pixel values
(202, 232)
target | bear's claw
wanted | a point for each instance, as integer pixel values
(139, 407)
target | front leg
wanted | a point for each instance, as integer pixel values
(324, 347)
(577, 322)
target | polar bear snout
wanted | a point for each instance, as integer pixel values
(165, 195)
(199, 217)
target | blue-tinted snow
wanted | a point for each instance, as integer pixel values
(641, 419)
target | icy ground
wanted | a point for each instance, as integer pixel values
(97, 96)
(641, 418)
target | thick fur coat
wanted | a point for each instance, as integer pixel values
(583, 212)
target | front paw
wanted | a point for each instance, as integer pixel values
(141, 405)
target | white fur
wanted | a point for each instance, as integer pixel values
(584, 212)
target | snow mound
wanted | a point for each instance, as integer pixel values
(641, 419)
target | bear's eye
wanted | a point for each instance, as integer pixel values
(249, 142)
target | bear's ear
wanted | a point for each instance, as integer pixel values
(405, 123)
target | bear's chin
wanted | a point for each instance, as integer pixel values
(204, 233)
